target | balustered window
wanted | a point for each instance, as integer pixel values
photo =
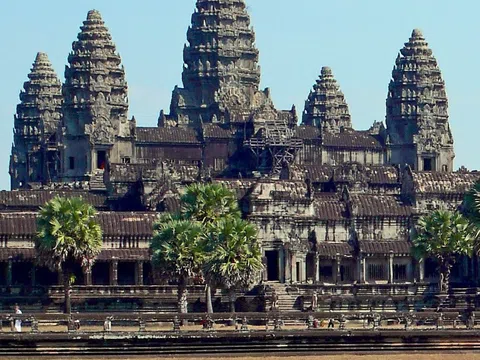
(377, 272)
(399, 272)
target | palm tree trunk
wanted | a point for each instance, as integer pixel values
(232, 298)
(67, 288)
(445, 271)
(208, 298)
(182, 297)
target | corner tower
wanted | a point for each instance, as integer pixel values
(35, 157)
(417, 110)
(326, 107)
(220, 75)
(95, 125)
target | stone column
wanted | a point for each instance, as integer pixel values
(421, 270)
(288, 266)
(87, 275)
(294, 268)
(317, 269)
(363, 276)
(139, 273)
(337, 269)
(390, 268)
(10, 272)
(114, 272)
(281, 266)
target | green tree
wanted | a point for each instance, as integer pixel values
(68, 235)
(234, 257)
(471, 210)
(177, 252)
(209, 202)
(443, 235)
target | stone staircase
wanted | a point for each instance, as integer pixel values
(96, 182)
(287, 301)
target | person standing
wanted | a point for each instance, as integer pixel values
(18, 322)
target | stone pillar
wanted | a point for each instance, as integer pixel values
(87, 276)
(281, 266)
(10, 272)
(337, 269)
(288, 266)
(139, 273)
(294, 268)
(421, 270)
(317, 269)
(114, 272)
(390, 268)
(363, 276)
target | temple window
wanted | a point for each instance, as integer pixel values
(71, 163)
(427, 164)
(376, 272)
(326, 273)
(399, 272)
(126, 160)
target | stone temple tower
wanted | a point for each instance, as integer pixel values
(95, 125)
(326, 107)
(221, 75)
(35, 157)
(417, 110)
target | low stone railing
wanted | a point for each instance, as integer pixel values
(364, 289)
(119, 291)
(243, 322)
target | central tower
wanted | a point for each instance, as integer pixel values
(417, 110)
(221, 75)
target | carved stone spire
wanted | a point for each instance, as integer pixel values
(326, 107)
(34, 152)
(96, 103)
(220, 64)
(417, 110)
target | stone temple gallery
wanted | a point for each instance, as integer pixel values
(334, 206)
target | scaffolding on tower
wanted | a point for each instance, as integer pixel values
(276, 142)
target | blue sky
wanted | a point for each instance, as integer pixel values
(359, 39)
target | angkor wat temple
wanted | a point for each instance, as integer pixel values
(335, 207)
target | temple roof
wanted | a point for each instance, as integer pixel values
(128, 173)
(34, 199)
(216, 131)
(351, 139)
(332, 250)
(397, 247)
(178, 135)
(326, 107)
(113, 224)
(443, 182)
(367, 205)
(329, 207)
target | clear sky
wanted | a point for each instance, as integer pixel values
(359, 39)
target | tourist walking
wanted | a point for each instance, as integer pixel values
(18, 322)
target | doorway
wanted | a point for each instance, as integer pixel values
(101, 159)
(272, 265)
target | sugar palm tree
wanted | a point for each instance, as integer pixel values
(68, 235)
(234, 258)
(471, 210)
(177, 252)
(443, 235)
(209, 202)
